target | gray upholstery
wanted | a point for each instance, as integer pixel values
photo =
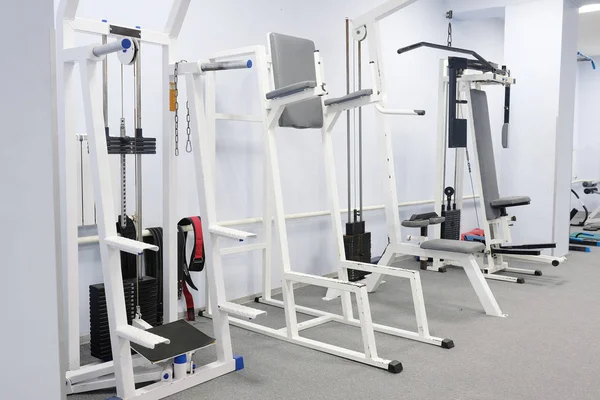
(437, 220)
(487, 163)
(349, 97)
(453, 246)
(505, 131)
(294, 62)
(485, 149)
(416, 224)
(513, 201)
(291, 89)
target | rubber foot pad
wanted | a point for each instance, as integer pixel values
(395, 367)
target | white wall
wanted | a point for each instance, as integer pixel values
(587, 143)
(31, 367)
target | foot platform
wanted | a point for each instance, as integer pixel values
(183, 337)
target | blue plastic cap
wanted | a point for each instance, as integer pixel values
(126, 43)
(138, 27)
(182, 359)
(588, 250)
(239, 362)
(104, 20)
(249, 64)
(166, 376)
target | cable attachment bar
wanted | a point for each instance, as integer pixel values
(123, 44)
(225, 65)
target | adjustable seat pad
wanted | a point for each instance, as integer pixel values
(513, 201)
(453, 246)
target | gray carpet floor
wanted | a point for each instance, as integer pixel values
(547, 348)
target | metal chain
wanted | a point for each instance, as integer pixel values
(175, 81)
(188, 144)
(449, 15)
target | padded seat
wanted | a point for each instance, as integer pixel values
(291, 89)
(349, 97)
(453, 246)
(421, 223)
(513, 201)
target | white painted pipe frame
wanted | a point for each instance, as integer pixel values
(86, 240)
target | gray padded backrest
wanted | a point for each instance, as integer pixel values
(293, 62)
(485, 150)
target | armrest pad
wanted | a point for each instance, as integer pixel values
(349, 97)
(291, 89)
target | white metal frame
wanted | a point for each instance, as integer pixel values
(366, 27)
(498, 229)
(273, 209)
(120, 372)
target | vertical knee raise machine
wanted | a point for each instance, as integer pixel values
(366, 28)
(463, 108)
(168, 347)
(293, 94)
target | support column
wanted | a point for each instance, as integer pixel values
(540, 50)
(34, 357)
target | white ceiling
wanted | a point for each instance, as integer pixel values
(589, 33)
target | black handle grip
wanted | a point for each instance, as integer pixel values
(415, 46)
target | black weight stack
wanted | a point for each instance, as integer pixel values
(99, 328)
(357, 244)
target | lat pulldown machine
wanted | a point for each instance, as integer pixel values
(460, 94)
(366, 28)
(168, 347)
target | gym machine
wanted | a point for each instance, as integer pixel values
(165, 352)
(293, 94)
(463, 108)
(366, 28)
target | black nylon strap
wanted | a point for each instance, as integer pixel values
(183, 272)
(197, 258)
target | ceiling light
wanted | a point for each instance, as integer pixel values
(589, 8)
